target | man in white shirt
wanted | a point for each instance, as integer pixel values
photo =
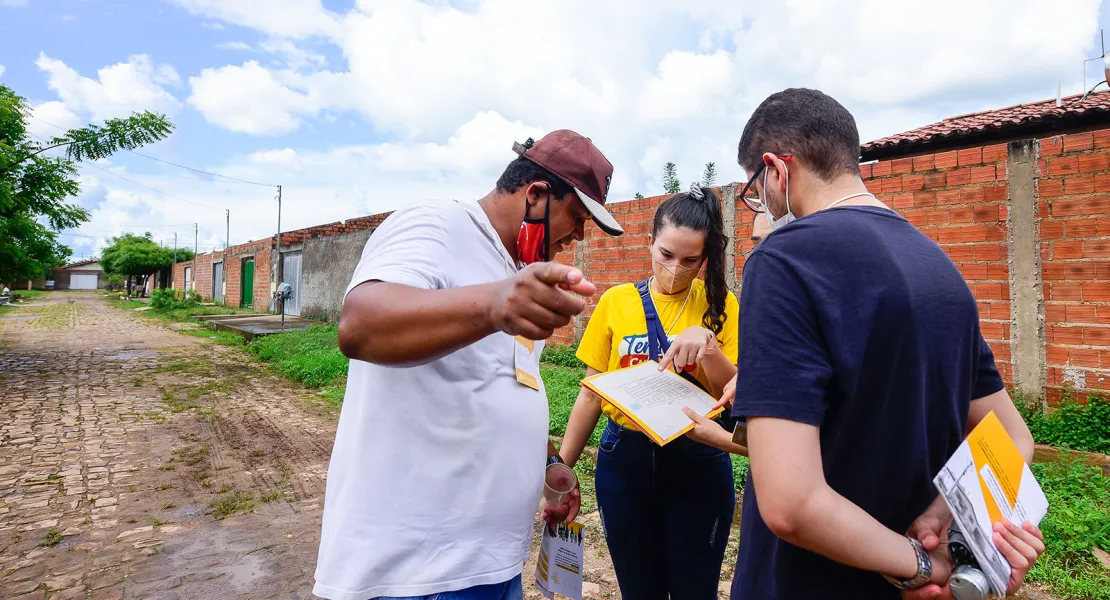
(439, 458)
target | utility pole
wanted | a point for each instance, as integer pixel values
(195, 250)
(227, 236)
(174, 258)
(279, 221)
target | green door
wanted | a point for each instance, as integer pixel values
(246, 299)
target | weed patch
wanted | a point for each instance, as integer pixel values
(1078, 521)
(232, 502)
(53, 538)
(1073, 424)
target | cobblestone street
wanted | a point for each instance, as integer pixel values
(136, 462)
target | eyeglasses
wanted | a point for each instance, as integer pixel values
(755, 204)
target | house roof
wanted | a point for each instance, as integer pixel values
(81, 263)
(981, 127)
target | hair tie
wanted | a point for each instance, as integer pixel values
(695, 191)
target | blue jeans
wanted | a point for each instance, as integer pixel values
(510, 590)
(666, 511)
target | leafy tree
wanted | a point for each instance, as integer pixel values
(709, 177)
(639, 196)
(136, 257)
(34, 187)
(183, 254)
(671, 185)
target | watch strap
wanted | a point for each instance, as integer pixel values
(924, 569)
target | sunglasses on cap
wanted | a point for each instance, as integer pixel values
(755, 204)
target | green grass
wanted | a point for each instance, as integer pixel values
(222, 337)
(562, 356)
(1072, 424)
(562, 390)
(29, 294)
(310, 356)
(1078, 520)
(232, 502)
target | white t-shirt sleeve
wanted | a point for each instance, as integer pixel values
(408, 249)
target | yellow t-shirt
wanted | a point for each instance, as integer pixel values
(616, 335)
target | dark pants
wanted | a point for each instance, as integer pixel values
(666, 514)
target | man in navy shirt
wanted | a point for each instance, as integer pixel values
(861, 369)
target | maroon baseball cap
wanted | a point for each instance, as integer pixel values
(575, 160)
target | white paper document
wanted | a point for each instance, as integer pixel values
(559, 566)
(653, 399)
(987, 479)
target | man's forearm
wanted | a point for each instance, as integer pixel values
(832, 526)
(393, 324)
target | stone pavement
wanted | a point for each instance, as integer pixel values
(121, 442)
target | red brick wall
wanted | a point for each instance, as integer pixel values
(959, 199)
(1074, 210)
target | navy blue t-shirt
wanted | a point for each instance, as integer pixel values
(854, 321)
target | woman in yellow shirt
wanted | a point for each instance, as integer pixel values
(666, 511)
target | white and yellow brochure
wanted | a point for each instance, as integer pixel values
(559, 566)
(653, 399)
(987, 479)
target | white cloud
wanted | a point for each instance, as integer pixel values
(13, 2)
(293, 56)
(296, 19)
(234, 46)
(119, 89)
(1, 70)
(452, 85)
(52, 118)
(682, 77)
(249, 99)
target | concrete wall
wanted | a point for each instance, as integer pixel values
(327, 264)
(61, 276)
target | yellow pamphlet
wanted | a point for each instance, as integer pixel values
(987, 479)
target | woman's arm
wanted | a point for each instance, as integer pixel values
(583, 419)
(719, 370)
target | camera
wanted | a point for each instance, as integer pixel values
(968, 582)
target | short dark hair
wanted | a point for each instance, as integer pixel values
(522, 171)
(805, 123)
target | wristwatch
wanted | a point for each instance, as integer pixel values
(553, 459)
(924, 569)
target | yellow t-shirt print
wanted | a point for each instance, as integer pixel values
(616, 334)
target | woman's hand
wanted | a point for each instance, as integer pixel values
(707, 431)
(727, 396)
(689, 348)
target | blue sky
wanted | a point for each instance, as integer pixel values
(357, 107)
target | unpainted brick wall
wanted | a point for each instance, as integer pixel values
(959, 198)
(1074, 210)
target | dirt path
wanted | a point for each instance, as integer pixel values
(122, 441)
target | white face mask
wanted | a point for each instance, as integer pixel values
(771, 220)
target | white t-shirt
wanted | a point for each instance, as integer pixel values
(437, 469)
